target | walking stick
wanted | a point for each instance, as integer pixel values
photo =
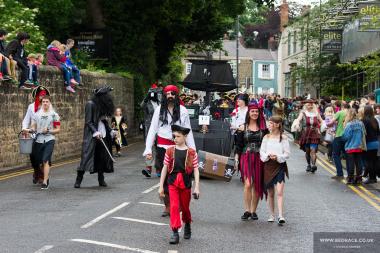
(109, 153)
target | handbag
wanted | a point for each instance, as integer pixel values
(329, 137)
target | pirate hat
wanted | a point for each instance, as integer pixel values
(183, 130)
(39, 89)
(102, 90)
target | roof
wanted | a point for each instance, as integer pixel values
(255, 54)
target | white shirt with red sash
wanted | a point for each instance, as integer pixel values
(164, 132)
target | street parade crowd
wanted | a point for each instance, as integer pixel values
(349, 130)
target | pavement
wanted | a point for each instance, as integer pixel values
(125, 217)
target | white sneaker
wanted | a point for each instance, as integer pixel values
(271, 218)
(70, 89)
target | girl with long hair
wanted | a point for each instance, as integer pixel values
(330, 131)
(248, 141)
(372, 143)
(274, 152)
(310, 120)
(353, 134)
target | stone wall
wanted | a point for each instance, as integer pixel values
(70, 107)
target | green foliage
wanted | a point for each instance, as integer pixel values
(254, 13)
(15, 18)
(175, 66)
(57, 18)
(370, 65)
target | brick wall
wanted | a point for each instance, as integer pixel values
(70, 107)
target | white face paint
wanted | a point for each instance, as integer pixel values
(152, 94)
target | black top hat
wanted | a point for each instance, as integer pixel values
(102, 90)
(183, 130)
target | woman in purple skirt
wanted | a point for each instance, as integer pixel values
(247, 158)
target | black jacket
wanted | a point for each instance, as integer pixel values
(87, 163)
(16, 49)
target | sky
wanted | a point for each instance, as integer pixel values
(303, 2)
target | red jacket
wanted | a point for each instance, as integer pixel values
(190, 162)
(54, 58)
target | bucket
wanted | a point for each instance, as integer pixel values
(26, 144)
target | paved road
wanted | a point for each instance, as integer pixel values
(91, 219)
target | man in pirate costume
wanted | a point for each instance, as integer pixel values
(95, 158)
(150, 103)
(37, 94)
(170, 112)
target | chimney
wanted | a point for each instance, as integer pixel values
(272, 44)
(284, 15)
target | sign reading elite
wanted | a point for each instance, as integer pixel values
(369, 16)
(332, 40)
(97, 43)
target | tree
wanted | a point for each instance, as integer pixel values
(16, 18)
(58, 18)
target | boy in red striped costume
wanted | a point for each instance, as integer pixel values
(180, 163)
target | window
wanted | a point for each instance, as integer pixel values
(289, 43)
(265, 71)
(288, 85)
(188, 68)
(299, 87)
(302, 38)
(295, 42)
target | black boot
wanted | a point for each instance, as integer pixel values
(79, 179)
(101, 181)
(308, 168)
(174, 239)
(187, 232)
(313, 169)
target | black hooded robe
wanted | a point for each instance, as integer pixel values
(94, 156)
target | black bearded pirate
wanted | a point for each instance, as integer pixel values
(95, 157)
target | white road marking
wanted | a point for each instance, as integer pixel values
(141, 221)
(89, 224)
(172, 251)
(116, 246)
(151, 188)
(44, 248)
(153, 204)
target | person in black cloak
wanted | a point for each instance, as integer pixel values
(95, 158)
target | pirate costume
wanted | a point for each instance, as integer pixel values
(310, 134)
(37, 94)
(248, 144)
(180, 164)
(160, 131)
(96, 156)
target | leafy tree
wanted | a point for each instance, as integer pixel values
(58, 18)
(16, 18)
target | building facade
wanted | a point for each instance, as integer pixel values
(257, 67)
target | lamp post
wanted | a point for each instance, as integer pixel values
(237, 54)
(320, 50)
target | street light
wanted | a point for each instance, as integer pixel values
(237, 54)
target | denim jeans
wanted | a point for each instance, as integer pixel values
(66, 74)
(338, 149)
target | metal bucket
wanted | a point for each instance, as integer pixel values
(26, 144)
